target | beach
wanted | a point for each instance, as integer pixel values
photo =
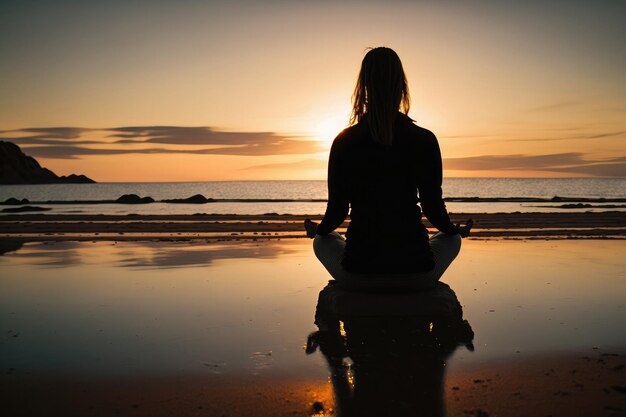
(557, 386)
(215, 307)
(150, 328)
(161, 302)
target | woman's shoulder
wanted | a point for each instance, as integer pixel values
(415, 131)
(355, 130)
(350, 134)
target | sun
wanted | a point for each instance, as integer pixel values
(328, 128)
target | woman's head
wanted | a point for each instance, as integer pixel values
(381, 90)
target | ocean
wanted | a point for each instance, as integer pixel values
(303, 197)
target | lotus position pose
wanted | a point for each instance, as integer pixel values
(376, 168)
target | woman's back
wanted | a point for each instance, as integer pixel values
(381, 183)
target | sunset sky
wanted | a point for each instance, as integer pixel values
(239, 90)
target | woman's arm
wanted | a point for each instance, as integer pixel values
(338, 204)
(429, 186)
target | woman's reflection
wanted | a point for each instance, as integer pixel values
(387, 353)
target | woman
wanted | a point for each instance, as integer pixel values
(377, 167)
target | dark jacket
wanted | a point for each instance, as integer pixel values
(380, 184)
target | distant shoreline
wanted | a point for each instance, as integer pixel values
(54, 227)
(200, 199)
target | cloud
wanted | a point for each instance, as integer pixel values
(498, 162)
(302, 165)
(600, 135)
(35, 140)
(559, 134)
(55, 132)
(73, 152)
(179, 135)
(597, 170)
(572, 162)
(66, 142)
(280, 148)
(48, 136)
(555, 106)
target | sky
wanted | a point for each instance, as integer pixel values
(126, 91)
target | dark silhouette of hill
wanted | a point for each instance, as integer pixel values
(18, 168)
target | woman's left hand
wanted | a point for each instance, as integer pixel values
(464, 230)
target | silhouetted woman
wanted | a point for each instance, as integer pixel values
(376, 167)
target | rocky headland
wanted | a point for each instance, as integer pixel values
(18, 168)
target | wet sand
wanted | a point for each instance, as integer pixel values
(38, 227)
(590, 385)
(162, 329)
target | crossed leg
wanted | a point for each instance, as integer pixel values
(329, 249)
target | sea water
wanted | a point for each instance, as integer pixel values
(304, 196)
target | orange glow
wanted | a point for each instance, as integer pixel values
(479, 78)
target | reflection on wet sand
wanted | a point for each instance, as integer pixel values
(200, 254)
(387, 353)
(143, 255)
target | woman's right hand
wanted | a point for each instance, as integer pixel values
(464, 230)
(310, 227)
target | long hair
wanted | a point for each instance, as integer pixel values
(381, 90)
